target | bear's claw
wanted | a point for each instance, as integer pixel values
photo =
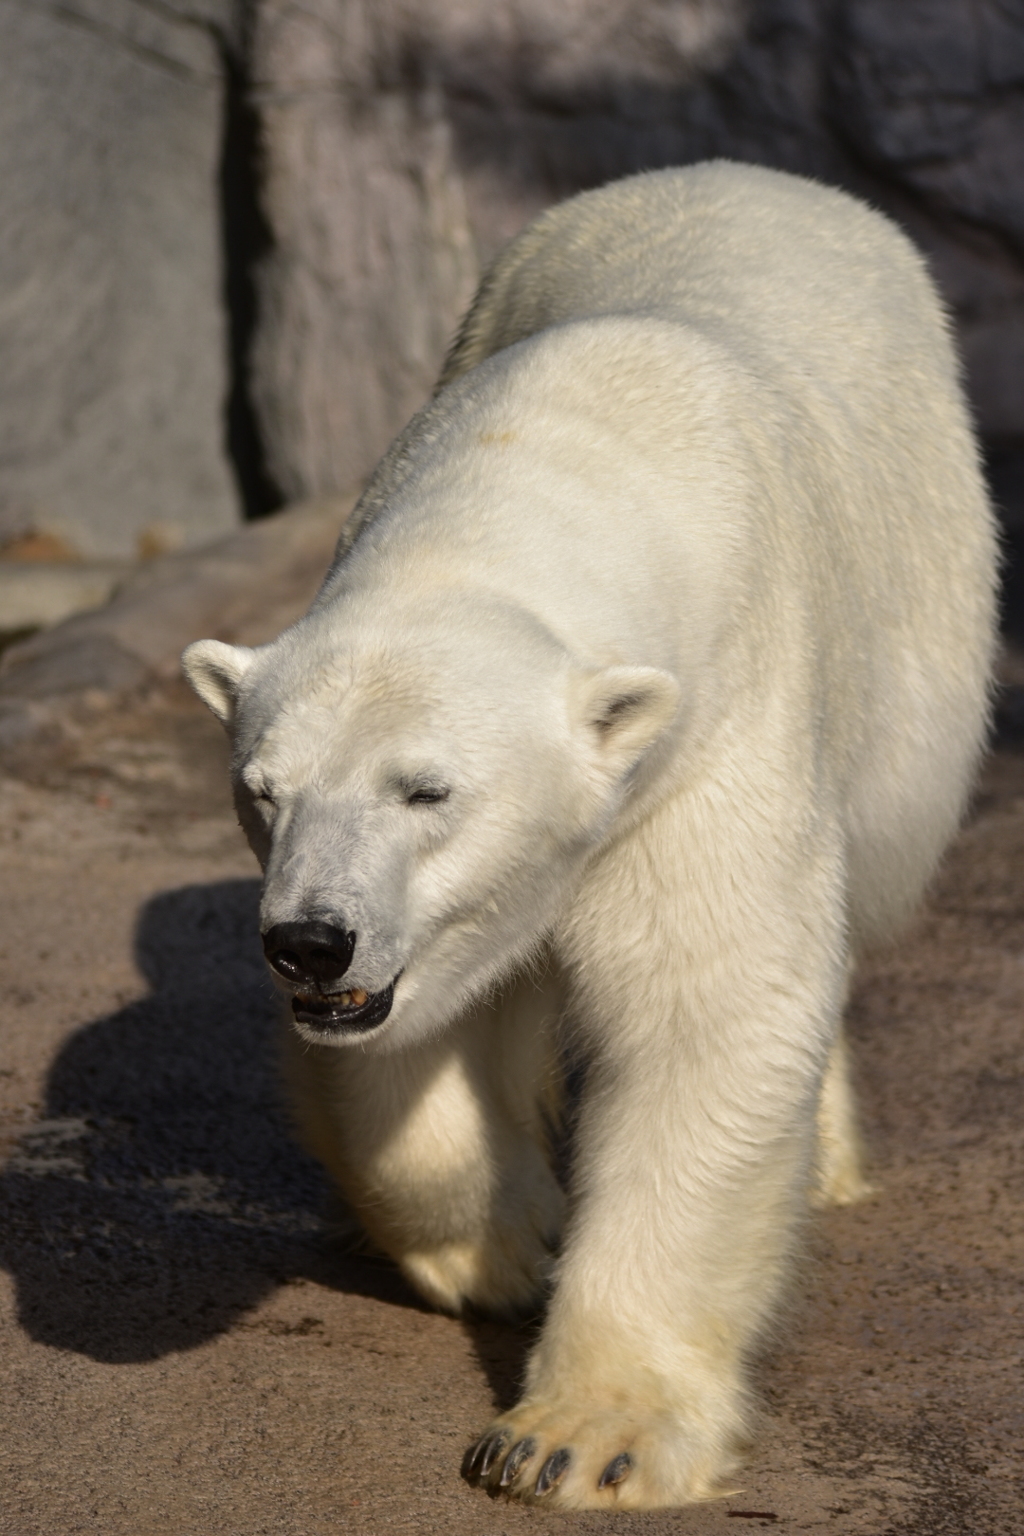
(520, 1452)
(616, 1470)
(552, 1472)
(492, 1450)
(481, 1455)
(486, 1462)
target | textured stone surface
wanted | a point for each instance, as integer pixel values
(245, 587)
(39, 594)
(378, 211)
(929, 97)
(371, 260)
(112, 330)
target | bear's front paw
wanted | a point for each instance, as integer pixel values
(588, 1458)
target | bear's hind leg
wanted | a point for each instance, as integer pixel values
(839, 1171)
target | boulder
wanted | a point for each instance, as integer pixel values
(244, 588)
(112, 325)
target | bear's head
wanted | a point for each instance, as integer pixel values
(422, 789)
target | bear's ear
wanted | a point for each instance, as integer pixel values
(215, 671)
(624, 710)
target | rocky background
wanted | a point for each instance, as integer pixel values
(113, 327)
(238, 233)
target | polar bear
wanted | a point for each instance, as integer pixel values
(644, 693)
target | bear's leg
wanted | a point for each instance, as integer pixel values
(709, 973)
(441, 1148)
(839, 1175)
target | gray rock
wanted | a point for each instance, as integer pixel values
(244, 588)
(74, 661)
(35, 595)
(111, 324)
(927, 101)
(381, 196)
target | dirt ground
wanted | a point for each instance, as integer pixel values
(187, 1348)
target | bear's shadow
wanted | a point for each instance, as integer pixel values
(162, 1193)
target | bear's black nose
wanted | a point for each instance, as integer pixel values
(312, 954)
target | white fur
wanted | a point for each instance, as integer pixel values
(682, 588)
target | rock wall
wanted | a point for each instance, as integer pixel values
(404, 141)
(239, 233)
(112, 326)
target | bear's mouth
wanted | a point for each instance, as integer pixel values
(344, 1012)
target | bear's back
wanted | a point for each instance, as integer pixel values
(784, 272)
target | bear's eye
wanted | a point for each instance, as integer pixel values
(426, 794)
(267, 801)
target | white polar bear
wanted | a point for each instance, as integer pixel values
(646, 692)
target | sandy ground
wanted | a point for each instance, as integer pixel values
(187, 1349)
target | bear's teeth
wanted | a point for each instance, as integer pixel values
(358, 996)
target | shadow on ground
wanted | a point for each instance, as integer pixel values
(162, 1194)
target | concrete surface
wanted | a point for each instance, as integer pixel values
(186, 1348)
